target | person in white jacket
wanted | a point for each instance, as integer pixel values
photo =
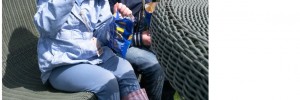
(73, 52)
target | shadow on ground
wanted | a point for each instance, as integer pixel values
(21, 66)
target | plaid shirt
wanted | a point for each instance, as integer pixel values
(137, 95)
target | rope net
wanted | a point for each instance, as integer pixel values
(179, 32)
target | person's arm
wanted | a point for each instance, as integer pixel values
(51, 14)
(146, 38)
(136, 7)
(137, 39)
(140, 37)
(104, 37)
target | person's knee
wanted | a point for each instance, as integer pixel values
(106, 86)
(123, 67)
(140, 56)
(125, 63)
(104, 83)
(110, 87)
(109, 90)
(82, 77)
(154, 69)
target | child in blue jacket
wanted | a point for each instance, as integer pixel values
(72, 49)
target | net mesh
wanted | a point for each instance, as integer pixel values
(179, 32)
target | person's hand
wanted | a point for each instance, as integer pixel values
(125, 11)
(146, 38)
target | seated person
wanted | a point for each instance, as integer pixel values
(72, 50)
(143, 60)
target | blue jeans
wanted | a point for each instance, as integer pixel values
(108, 81)
(144, 62)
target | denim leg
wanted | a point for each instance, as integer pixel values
(124, 74)
(86, 77)
(145, 62)
(168, 91)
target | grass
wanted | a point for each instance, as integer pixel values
(176, 96)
